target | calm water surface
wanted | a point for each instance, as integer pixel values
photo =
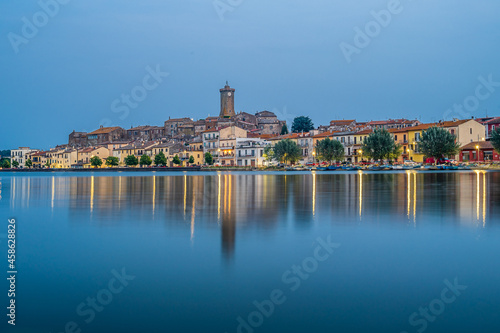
(207, 250)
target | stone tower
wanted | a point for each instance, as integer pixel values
(227, 102)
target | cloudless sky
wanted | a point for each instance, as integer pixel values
(282, 56)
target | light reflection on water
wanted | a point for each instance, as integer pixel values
(256, 224)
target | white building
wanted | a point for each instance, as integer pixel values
(21, 155)
(250, 152)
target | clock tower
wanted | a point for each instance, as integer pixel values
(227, 102)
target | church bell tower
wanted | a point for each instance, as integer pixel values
(227, 102)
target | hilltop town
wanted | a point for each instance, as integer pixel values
(239, 139)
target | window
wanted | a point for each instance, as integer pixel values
(395, 138)
(474, 155)
(404, 138)
(417, 137)
(471, 131)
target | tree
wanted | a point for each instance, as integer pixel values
(209, 159)
(47, 164)
(495, 139)
(191, 159)
(437, 142)
(95, 161)
(302, 124)
(287, 151)
(284, 129)
(160, 159)
(15, 164)
(28, 163)
(131, 160)
(112, 161)
(5, 163)
(329, 150)
(268, 153)
(396, 151)
(176, 160)
(378, 145)
(145, 160)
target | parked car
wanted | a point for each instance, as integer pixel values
(431, 160)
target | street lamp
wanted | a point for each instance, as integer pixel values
(314, 154)
(361, 154)
(477, 148)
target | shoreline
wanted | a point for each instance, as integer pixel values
(229, 169)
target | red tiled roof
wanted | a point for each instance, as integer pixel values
(481, 144)
(105, 130)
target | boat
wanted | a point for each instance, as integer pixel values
(321, 168)
(332, 168)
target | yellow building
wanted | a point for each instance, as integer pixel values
(84, 156)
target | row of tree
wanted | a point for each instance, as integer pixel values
(159, 160)
(436, 142)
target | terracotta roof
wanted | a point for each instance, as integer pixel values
(325, 134)
(481, 144)
(105, 130)
(342, 122)
(366, 131)
(493, 121)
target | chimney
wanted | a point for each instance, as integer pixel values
(101, 126)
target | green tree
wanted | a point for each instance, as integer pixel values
(284, 129)
(6, 163)
(95, 161)
(209, 159)
(268, 153)
(145, 160)
(176, 160)
(160, 159)
(396, 152)
(287, 151)
(131, 160)
(437, 142)
(15, 164)
(47, 164)
(495, 139)
(28, 163)
(112, 161)
(378, 145)
(191, 159)
(302, 124)
(329, 150)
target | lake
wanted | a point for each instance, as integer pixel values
(254, 252)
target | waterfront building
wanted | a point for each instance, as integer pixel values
(84, 155)
(21, 155)
(250, 152)
(39, 159)
(479, 151)
(490, 125)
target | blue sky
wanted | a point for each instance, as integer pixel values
(282, 56)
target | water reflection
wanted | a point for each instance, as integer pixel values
(264, 201)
